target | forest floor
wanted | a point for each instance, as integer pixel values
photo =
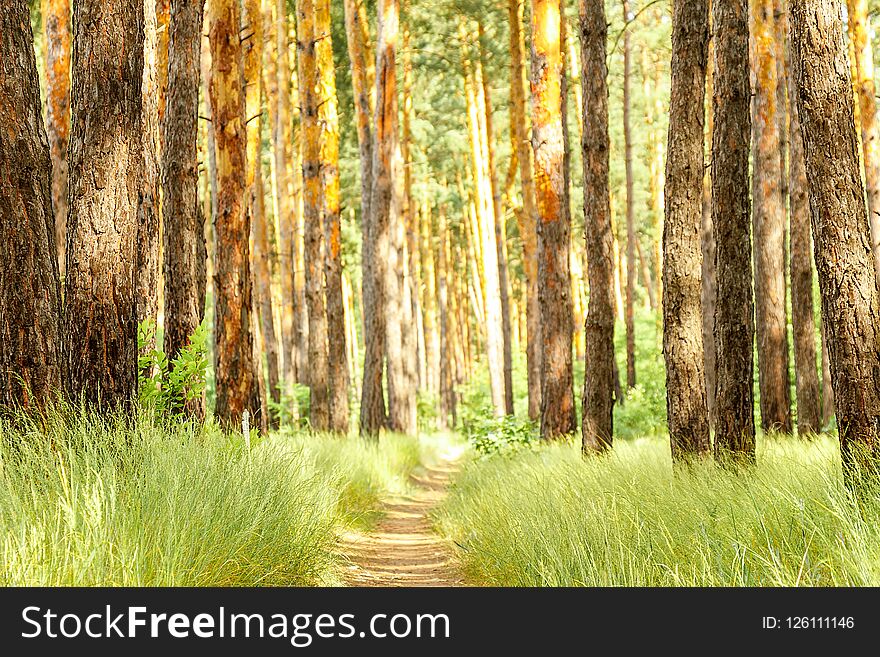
(403, 549)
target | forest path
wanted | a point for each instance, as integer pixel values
(403, 550)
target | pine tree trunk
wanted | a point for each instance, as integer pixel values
(328, 119)
(631, 236)
(377, 246)
(802, 314)
(319, 400)
(30, 297)
(859, 24)
(768, 227)
(707, 246)
(235, 371)
(686, 409)
(529, 216)
(433, 353)
(734, 310)
(153, 86)
(106, 180)
(56, 28)
(558, 416)
(841, 232)
(599, 372)
(827, 389)
(184, 244)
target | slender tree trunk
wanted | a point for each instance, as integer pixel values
(106, 165)
(768, 227)
(802, 315)
(499, 234)
(599, 372)
(153, 86)
(707, 243)
(447, 346)
(319, 400)
(841, 232)
(554, 232)
(686, 410)
(184, 251)
(237, 386)
(529, 216)
(827, 389)
(56, 28)
(328, 120)
(433, 353)
(734, 310)
(631, 236)
(859, 24)
(30, 296)
(377, 245)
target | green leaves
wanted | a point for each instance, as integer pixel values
(168, 387)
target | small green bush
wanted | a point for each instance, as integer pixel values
(165, 387)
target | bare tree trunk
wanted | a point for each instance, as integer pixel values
(600, 364)
(734, 310)
(687, 414)
(237, 386)
(841, 232)
(56, 28)
(768, 227)
(802, 316)
(184, 249)
(106, 166)
(328, 120)
(30, 296)
(631, 236)
(529, 216)
(707, 244)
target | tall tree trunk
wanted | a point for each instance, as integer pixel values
(707, 243)
(447, 346)
(328, 120)
(558, 416)
(827, 388)
(768, 227)
(841, 232)
(319, 400)
(631, 236)
(378, 245)
(153, 87)
(184, 251)
(686, 410)
(106, 164)
(734, 309)
(802, 316)
(529, 216)
(30, 296)
(599, 371)
(237, 387)
(433, 352)
(56, 28)
(859, 24)
(499, 233)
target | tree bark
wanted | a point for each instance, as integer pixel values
(598, 402)
(707, 246)
(235, 372)
(734, 310)
(56, 28)
(768, 227)
(841, 232)
(859, 25)
(802, 315)
(528, 217)
(184, 250)
(30, 296)
(686, 410)
(631, 236)
(328, 120)
(105, 164)
(319, 400)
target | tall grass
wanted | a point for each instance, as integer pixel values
(546, 517)
(86, 500)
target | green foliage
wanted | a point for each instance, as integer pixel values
(296, 396)
(167, 387)
(506, 434)
(547, 517)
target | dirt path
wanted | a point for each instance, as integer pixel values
(403, 550)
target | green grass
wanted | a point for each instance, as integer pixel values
(545, 517)
(91, 501)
